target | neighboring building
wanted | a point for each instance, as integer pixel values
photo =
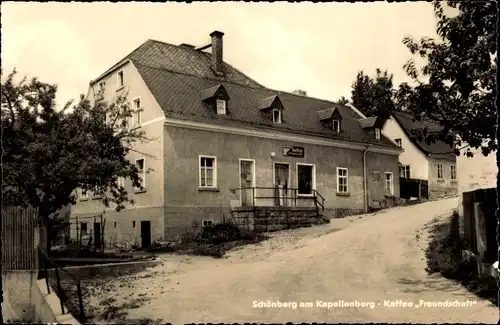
(216, 131)
(434, 163)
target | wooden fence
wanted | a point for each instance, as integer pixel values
(20, 238)
(480, 223)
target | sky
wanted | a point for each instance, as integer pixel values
(318, 47)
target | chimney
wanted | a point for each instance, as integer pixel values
(300, 92)
(217, 51)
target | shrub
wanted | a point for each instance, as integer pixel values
(220, 233)
(445, 255)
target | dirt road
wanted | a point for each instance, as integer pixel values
(374, 262)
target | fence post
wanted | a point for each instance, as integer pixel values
(80, 299)
(59, 289)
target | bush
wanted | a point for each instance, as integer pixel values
(220, 233)
(445, 255)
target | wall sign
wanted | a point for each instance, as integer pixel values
(293, 151)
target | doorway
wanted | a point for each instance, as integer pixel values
(97, 235)
(376, 189)
(281, 179)
(145, 234)
(246, 182)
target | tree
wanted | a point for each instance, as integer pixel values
(374, 96)
(49, 154)
(342, 101)
(456, 87)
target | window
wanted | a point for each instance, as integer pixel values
(101, 86)
(120, 79)
(133, 224)
(207, 223)
(404, 171)
(305, 179)
(140, 164)
(83, 228)
(342, 180)
(85, 194)
(453, 172)
(440, 171)
(208, 176)
(399, 143)
(221, 106)
(276, 116)
(137, 112)
(114, 224)
(336, 125)
(377, 134)
(389, 184)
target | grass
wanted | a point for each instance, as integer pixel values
(445, 257)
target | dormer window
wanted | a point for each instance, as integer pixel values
(216, 99)
(399, 143)
(331, 118)
(377, 134)
(276, 116)
(336, 126)
(221, 106)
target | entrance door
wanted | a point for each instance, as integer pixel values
(376, 189)
(145, 234)
(97, 235)
(246, 182)
(281, 176)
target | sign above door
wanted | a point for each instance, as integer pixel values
(293, 151)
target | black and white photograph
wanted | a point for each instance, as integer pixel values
(249, 162)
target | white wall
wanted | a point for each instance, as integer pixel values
(475, 173)
(411, 155)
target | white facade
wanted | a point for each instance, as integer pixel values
(412, 156)
(475, 173)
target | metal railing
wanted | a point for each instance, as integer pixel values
(46, 264)
(278, 196)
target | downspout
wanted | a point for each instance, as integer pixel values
(365, 178)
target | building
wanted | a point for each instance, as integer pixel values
(434, 164)
(217, 131)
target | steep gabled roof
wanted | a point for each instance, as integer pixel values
(179, 76)
(180, 59)
(438, 149)
(179, 96)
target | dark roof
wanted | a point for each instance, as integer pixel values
(438, 149)
(367, 122)
(326, 114)
(160, 55)
(267, 102)
(176, 76)
(212, 91)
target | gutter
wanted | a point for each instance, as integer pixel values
(365, 179)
